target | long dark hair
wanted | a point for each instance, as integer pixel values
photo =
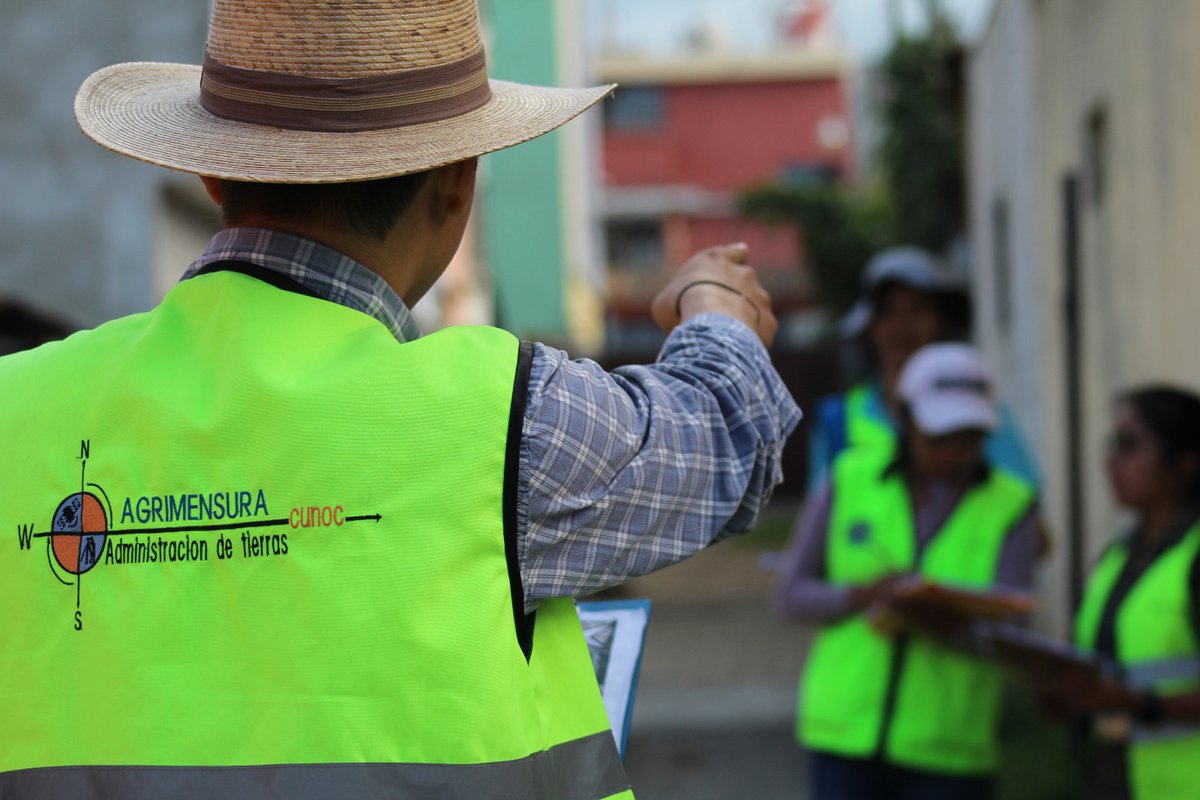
(1173, 417)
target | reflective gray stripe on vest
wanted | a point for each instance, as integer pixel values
(1147, 674)
(1144, 734)
(583, 769)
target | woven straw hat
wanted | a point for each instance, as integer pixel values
(322, 91)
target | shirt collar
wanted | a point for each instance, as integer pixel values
(320, 269)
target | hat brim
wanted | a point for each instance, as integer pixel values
(943, 415)
(152, 112)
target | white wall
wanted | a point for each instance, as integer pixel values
(1023, 345)
(1137, 63)
(1043, 71)
(1001, 146)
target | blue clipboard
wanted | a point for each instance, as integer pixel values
(616, 636)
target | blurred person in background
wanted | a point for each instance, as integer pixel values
(1141, 608)
(909, 299)
(907, 717)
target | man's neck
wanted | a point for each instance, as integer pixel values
(395, 265)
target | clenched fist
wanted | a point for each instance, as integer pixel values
(718, 280)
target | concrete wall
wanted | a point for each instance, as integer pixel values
(1002, 145)
(1049, 81)
(1135, 65)
(1014, 304)
(75, 220)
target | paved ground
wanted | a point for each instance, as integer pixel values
(753, 763)
(713, 714)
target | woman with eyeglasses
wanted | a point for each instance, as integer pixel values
(1141, 607)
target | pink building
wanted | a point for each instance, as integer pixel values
(684, 135)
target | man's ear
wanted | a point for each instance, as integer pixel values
(453, 189)
(214, 187)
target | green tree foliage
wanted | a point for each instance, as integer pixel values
(919, 196)
(840, 228)
(921, 152)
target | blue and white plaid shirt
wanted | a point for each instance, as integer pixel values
(620, 473)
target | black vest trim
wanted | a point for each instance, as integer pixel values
(276, 279)
(512, 457)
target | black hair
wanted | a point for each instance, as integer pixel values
(954, 307)
(1173, 417)
(856, 356)
(370, 208)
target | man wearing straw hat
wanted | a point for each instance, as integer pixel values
(331, 557)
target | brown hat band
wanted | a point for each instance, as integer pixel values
(342, 105)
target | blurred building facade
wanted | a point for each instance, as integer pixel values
(1084, 188)
(537, 235)
(685, 133)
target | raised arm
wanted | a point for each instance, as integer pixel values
(625, 472)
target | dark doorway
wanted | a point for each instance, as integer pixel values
(1073, 373)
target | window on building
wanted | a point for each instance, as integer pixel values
(808, 173)
(1002, 264)
(635, 108)
(635, 243)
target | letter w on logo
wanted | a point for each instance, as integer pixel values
(24, 535)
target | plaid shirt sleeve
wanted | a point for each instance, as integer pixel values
(627, 472)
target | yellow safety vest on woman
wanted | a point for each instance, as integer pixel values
(908, 700)
(264, 549)
(1157, 650)
(862, 428)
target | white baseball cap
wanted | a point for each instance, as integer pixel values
(948, 388)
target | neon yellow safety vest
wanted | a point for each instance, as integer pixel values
(262, 551)
(862, 428)
(908, 700)
(1157, 650)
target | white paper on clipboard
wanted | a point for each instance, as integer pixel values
(616, 635)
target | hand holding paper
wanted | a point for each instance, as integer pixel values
(942, 609)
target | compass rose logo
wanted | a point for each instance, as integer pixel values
(174, 528)
(78, 532)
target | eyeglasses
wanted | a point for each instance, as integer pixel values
(1123, 444)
